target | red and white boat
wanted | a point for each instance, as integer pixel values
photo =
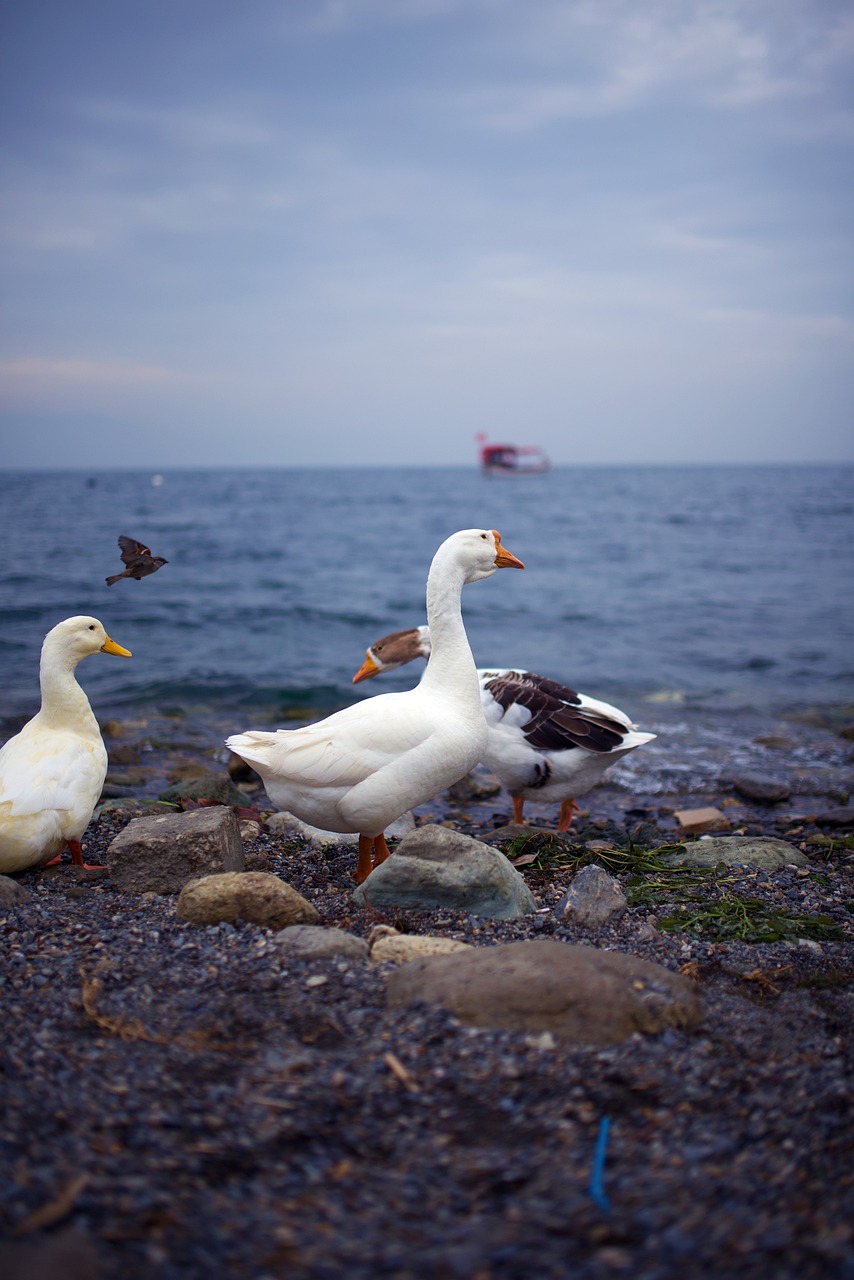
(511, 459)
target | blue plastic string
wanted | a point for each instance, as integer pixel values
(597, 1175)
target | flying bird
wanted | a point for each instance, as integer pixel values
(139, 560)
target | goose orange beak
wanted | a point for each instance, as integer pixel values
(504, 559)
(110, 646)
(366, 670)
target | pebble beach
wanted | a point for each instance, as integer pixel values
(197, 1101)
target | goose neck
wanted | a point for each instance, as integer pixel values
(63, 700)
(450, 664)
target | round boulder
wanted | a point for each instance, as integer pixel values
(256, 896)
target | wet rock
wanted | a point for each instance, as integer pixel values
(215, 787)
(240, 771)
(776, 741)
(841, 817)
(751, 851)
(159, 854)
(764, 790)
(579, 994)
(469, 789)
(320, 942)
(593, 898)
(127, 778)
(389, 944)
(124, 755)
(286, 824)
(834, 782)
(12, 894)
(436, 867)
(647, 835)
(255, 896)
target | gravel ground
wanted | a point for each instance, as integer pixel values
(187, 1102)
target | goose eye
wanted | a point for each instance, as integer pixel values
(91, 628)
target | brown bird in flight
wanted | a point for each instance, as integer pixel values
(139, 560)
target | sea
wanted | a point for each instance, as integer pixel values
(714, 604)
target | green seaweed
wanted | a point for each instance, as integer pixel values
(699, 900)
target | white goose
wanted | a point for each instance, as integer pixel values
(546, 742)
(52, 772)
(361, 768)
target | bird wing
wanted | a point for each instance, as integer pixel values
(131, 549)
(41, 771)
(549, 715)
(342, 750)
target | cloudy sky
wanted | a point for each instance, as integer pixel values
(358, 231)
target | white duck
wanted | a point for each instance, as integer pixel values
(52, 772)
(546, 742)
(361, 768)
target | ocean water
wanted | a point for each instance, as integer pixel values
(709, 602)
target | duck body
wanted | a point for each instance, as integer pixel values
(52, 772)
(361, 768)
(545, 742)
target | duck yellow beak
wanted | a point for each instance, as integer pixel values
(366, 670)
(504, 559)
(110, 646)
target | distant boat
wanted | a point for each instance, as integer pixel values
(511, 459)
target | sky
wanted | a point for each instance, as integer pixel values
(358, 232)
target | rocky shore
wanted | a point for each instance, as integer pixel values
(333, 1094)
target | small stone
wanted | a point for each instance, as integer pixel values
(316, 940)
(399, 948)
(12, 894)
(593, 898)
(255, 896)
(693, 821)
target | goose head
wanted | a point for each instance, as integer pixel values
(394, 650)
(71, 641)
(479, 552)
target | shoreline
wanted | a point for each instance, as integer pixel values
(201, 1101)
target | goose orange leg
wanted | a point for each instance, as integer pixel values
(76, 850)
(518, 806)
(567, 809)
(372, 851)
(364, 865)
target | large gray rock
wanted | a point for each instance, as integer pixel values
(160, 853)
(435, 867)
(593, 898)
(750, 851)
(256, 896)
(579, 994)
